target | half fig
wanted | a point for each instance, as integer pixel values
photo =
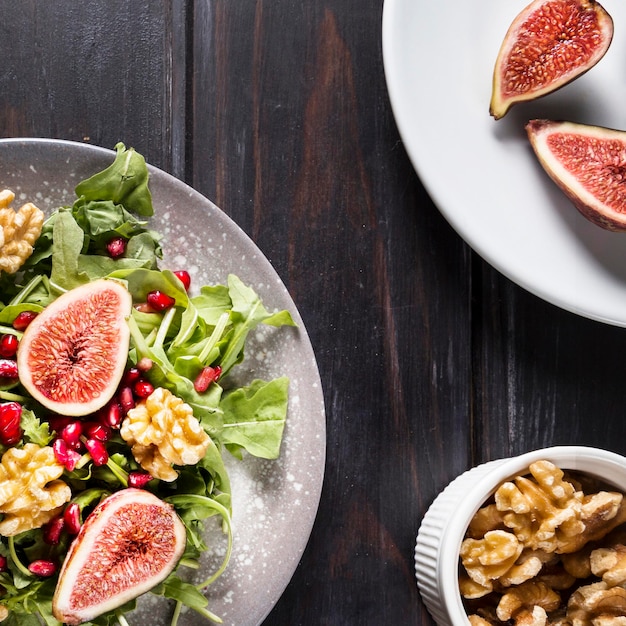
(72, 355)
(589, 164)
(129, 544)
(549, 44)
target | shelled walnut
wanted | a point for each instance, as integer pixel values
(162, 432)
(543, 552)
(18, 232)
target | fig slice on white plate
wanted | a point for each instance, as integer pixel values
(128, 544)
(73, 354)
(549, 44)
(589, 164)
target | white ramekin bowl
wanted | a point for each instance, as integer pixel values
(443, 528)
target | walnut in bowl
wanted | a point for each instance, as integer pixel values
(537, 540)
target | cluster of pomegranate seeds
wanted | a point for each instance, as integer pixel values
(10, 416)
(9, 344)
(75, 437)
(68, 521)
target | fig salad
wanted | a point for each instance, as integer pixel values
(116, 411)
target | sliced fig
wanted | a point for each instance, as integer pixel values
(549, 44)
(129, 544)
(72, 355)
(589, 164)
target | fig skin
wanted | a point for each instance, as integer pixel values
(548, 45)
(587, 163)
(73, 354)
(129, 544)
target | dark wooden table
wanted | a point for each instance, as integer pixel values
(431, 360)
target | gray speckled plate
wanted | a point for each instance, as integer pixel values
(275, 502)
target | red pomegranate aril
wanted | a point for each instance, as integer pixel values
(4, 564)
(184, 277)
(23, 319)
(8, 369)
(159, 300)
(116, 247)
(143, 388)
(52, 530)
(138, 479)
(206, 376)
(64, 455)
(8, 345)
(131, 375)
(71, 518)
(144, 364)
(96, 430)
(42, 568)
(126, 399)
(97, 451)
(112, 413)
(71, 434)
(10, 417)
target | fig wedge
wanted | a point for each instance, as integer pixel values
(549, 44)
(130, 543)
(589, 164)
(72, 355)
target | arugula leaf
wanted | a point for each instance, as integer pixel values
(69, 240)
(35, 431)
(124, 182)
(254, 418)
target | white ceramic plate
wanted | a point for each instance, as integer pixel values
(482, 174)
(274, 502)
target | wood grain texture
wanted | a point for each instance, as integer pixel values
(431, 361)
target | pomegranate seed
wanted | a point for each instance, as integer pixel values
(3, 563)
(127, 399)
(206, 376)
(64, 455)
(97, 430)
(42, 568)
(8, 368)
(145, 364)
(111, 414)
(116, 247)
(131, 375)
(143, 388)
(97, 451)
(52, 530)
(184, 277)
(10, 417)
(159, 301)
(71, 435)
(138, 479)
(8, 345)
(23, 319)
(71, 517)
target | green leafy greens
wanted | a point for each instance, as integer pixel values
(200, 331)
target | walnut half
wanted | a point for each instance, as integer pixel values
(18, 232)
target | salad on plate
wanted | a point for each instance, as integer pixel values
(117, 408)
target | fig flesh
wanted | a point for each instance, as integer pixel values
(589, 164)
(129, 544)
(72, 355)
(549, 44)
